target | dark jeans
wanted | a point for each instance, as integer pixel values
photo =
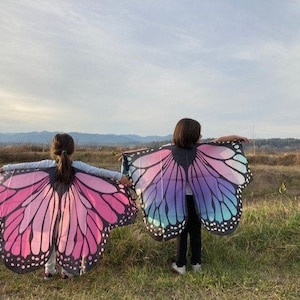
(193, 229)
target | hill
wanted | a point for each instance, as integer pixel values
(44, 137)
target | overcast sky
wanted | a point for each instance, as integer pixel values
(137, 67)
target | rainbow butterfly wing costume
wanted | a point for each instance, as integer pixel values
(38, 216)
(215, 172)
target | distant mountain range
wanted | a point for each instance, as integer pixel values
(45, 137)
(89, 139)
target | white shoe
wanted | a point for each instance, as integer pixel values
(49, 275)
(66, 275)
(178, 270)
(196, 267)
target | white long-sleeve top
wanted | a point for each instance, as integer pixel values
(47, 163)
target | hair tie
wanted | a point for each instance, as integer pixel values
(64, 152)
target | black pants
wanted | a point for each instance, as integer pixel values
(193, 229)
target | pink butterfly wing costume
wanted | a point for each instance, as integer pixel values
(38, 215)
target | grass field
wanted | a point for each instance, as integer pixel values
(260, 260)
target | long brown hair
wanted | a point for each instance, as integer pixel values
(187, 133)
(61, 149)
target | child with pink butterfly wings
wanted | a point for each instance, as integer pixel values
(62, 148)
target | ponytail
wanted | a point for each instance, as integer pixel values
(62, 148)
(64, 168)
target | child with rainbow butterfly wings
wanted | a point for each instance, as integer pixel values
(60, 211)
(185, 183)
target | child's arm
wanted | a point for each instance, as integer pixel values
(102, 172)
(230, 138)
(47, 163)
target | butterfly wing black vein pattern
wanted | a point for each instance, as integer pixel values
(38, 215)
(216, 172)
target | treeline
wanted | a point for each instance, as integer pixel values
(255, 145)
(275, 144)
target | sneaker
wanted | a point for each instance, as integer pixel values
(196, 267)
(65, 275)
(178, 270)
(48, 275)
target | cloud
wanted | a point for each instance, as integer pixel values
(137, 67)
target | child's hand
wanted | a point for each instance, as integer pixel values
(242, 139)
(125, 181)
(120, 155)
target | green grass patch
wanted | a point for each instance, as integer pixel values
(260, 260)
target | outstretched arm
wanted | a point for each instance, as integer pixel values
(102, 172)
(230, 138)
(46, 163)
